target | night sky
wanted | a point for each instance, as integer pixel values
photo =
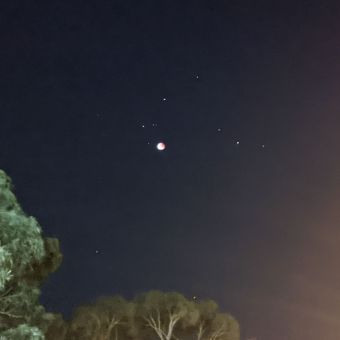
(242, 206)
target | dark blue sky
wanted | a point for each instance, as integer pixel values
(254, 227)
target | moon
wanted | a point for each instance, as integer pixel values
(160, 146)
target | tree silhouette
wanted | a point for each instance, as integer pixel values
(25, 260)
(152, 315)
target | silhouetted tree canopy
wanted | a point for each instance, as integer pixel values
(26, 258)
(152, 315)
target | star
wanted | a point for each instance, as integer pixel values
(219, 129)
(237, 143)
(164, 99)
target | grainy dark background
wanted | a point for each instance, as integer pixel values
(256, 228)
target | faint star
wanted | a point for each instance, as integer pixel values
(164, 99)
(219, 129)
(97, 251)
(237, 143)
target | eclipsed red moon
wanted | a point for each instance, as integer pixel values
(160, 146)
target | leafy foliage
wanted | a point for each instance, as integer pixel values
(25, 260)
(152, 315)
(22, 332)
